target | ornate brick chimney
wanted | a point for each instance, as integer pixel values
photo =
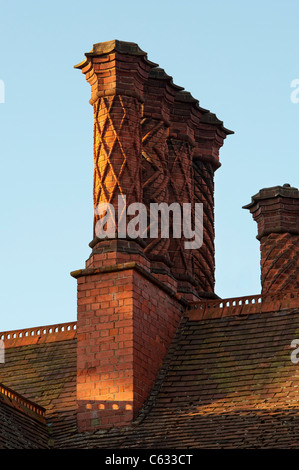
(276, 211)
(133, 291)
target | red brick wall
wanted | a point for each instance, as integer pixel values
(125, 325)
(157, 315)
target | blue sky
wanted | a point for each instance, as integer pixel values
(238, 58)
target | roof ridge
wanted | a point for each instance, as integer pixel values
(39, 334)
(13, 398)
(250, 304)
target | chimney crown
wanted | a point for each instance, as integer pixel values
(276, 210)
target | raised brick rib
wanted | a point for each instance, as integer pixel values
(155, 175)
(203, 258)
(280, 262)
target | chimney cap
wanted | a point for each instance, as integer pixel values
(211, 118)
(123, 47)
(185, 96)
(276, 191)
(160, 74)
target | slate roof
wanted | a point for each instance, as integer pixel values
(227, 382)
(22, 423)
(42, 368)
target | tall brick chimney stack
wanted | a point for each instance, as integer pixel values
(276, 211)
(133, 291)
(126, 316)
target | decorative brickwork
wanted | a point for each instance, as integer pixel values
(251, 304)
(159, 93)
(180, 148)
(117, 150)
(204, 257)
(39, 334)
(117, 72)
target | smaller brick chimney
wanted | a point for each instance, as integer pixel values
(276, 211)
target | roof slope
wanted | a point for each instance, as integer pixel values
(226, 382)
(22, 423)
(45, 373)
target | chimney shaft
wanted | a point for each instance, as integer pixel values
(117, 72)
(276, 211)
(209, 137)
(159, 93)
